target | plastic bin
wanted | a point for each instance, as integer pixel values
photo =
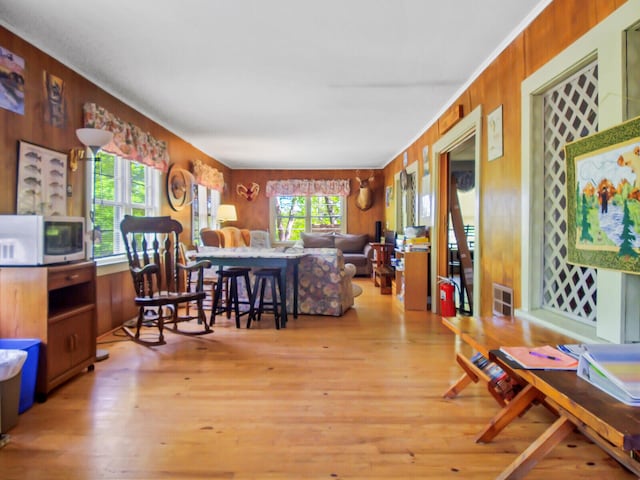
(11, 363)
(29, 369)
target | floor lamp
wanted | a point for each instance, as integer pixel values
(94, 139)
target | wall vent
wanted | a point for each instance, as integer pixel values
(502, 300)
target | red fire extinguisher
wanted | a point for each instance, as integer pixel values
(447, 300)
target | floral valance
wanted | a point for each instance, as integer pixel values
(307, 187)
(208, 176)
(129, 141)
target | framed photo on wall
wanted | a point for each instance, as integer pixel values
(603, 198)
(494, 135)
(42, 181)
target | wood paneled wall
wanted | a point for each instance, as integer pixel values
(255, 214)
(559, 25)
(115, 291)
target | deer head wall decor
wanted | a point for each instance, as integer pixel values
(250, 192)
(364, 200)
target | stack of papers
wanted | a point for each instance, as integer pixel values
(575, 350)
(541, 358)
(614, 369)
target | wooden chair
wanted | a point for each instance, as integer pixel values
(160, 278)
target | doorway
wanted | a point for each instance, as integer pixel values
(458, 151)
(461, 240)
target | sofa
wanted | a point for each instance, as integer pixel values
(355, 248)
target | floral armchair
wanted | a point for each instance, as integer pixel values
(324, 284)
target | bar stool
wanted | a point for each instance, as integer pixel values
(229, 279)
(263, 275)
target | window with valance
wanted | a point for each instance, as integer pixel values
(312, 206)
(129, 141)
(208, 176)
(307, 187)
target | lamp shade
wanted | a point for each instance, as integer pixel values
(94, 138)
(227, 213)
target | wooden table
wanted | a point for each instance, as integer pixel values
(258, 257)
(609, 423)
(488, 333)
(612, 425)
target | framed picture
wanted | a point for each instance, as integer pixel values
(42, 181)
(388, 195)
(426, 171)
(12, 81)
(54, 111)
(494, 135)
(603, 199)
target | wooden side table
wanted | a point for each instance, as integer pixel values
(381, 257)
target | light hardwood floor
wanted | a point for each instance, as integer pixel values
(356, 397)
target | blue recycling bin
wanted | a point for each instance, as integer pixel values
(29, 369)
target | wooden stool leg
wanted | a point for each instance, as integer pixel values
(217, 295)
(234, 300)
(274, 299)
(252, 300)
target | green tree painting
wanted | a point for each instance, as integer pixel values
(584, 223)
(627, 236)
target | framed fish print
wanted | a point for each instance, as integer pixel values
(42, 181)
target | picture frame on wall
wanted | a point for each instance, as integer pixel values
(42, 180)
(494, 135)
(603, 199)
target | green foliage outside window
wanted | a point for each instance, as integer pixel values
(315, 214)
(114, 199)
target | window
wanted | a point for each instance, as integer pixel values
(292, 215)
(205, 204)
(122, 187)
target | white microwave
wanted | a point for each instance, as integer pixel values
(40, 240)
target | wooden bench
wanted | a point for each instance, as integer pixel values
(610, 424)
(382, 277)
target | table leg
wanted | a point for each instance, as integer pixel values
(537, 450)
(460, 384)
(513, 409)
(295, 290)
(283, 297)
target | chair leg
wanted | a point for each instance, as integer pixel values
(252, 302)
(161, 323)
(139, 323)
(202, 317)
(229, 297)
(263, 284)
(274, 299)
(216, 301)
(234, 300)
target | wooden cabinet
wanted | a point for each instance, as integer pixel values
(412, 279)
(56, 304)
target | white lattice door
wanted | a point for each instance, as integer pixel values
(570, 112)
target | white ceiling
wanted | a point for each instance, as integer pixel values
(279, 84)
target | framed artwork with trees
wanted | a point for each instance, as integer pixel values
(603, 199)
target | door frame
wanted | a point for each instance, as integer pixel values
(470, 125)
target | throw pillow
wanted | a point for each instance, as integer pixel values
(352, 243)
(317, 240)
